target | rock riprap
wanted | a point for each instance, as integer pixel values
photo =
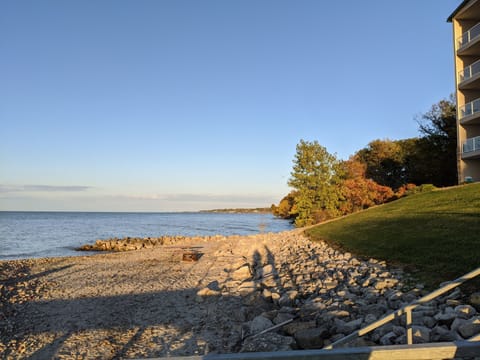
(329, 294)
(138, 243)
(266, 292)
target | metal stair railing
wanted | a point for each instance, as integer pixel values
(407, 310)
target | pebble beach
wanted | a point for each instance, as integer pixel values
(150, 303)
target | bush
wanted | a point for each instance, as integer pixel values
(403, 190)
(424, 188)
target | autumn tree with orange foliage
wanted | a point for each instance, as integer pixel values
(358, 192)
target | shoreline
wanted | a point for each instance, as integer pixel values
(150, 303)
(57, 234)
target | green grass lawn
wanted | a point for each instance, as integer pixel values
(436, 235)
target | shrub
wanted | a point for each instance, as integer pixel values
(403, 190)
(424, 188)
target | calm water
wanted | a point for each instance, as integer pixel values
(47, 234)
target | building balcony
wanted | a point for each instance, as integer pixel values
(469, 114)
(471, 148)
(469, 42)
(469, 78)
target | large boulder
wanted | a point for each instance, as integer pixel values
(296, 326)
(259, 323)
(465, 311)
(311, 338)
(470, 327)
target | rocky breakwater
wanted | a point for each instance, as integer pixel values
(303, 295)
(138, 243)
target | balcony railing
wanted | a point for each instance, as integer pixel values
(468, 36)
(469, 71)
(472, 144)
(470, 109)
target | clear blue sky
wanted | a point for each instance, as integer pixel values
(187, 105)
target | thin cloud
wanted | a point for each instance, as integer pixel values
(42, 188)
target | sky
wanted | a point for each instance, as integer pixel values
(184, 105)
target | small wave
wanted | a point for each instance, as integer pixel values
(58, 234)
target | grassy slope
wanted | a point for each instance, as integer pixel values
(436, 233)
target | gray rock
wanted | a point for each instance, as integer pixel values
(287, 309)
(421, 334)
(426, 310)
(339, 313)
(267, 294)
(429, 321)
(388, 338)
(470, 327)
(268, 270)
(370, 318)
(270, 315)
(399, 330)
(268, 342)
(259, 323)
(328, 285)
(268, 282)
(311, 338)
(339, 325)
(474, 300)
(247, 287)
(465, 311)
(354, 262)
(401, 340)
(293, 327)
(381, 331)
(275, 296)
(313, 307)
(347, 327)
(214, 285)
(386, 283)
(457, 323)
(241, 274)
(442, 333)
(445, 319)
(282, 317)
(377, 310)
(394, 300)
(288, 298)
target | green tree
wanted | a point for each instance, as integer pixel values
(316, 176)
(437, 148)
(385, 162)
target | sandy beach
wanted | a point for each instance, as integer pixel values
(130, 304)
(150, 303)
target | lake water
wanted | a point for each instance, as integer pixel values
(50, 234)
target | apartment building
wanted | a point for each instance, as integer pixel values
(466, 40)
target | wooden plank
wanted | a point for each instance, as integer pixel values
(395, 352)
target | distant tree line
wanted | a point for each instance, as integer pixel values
(325, 187)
